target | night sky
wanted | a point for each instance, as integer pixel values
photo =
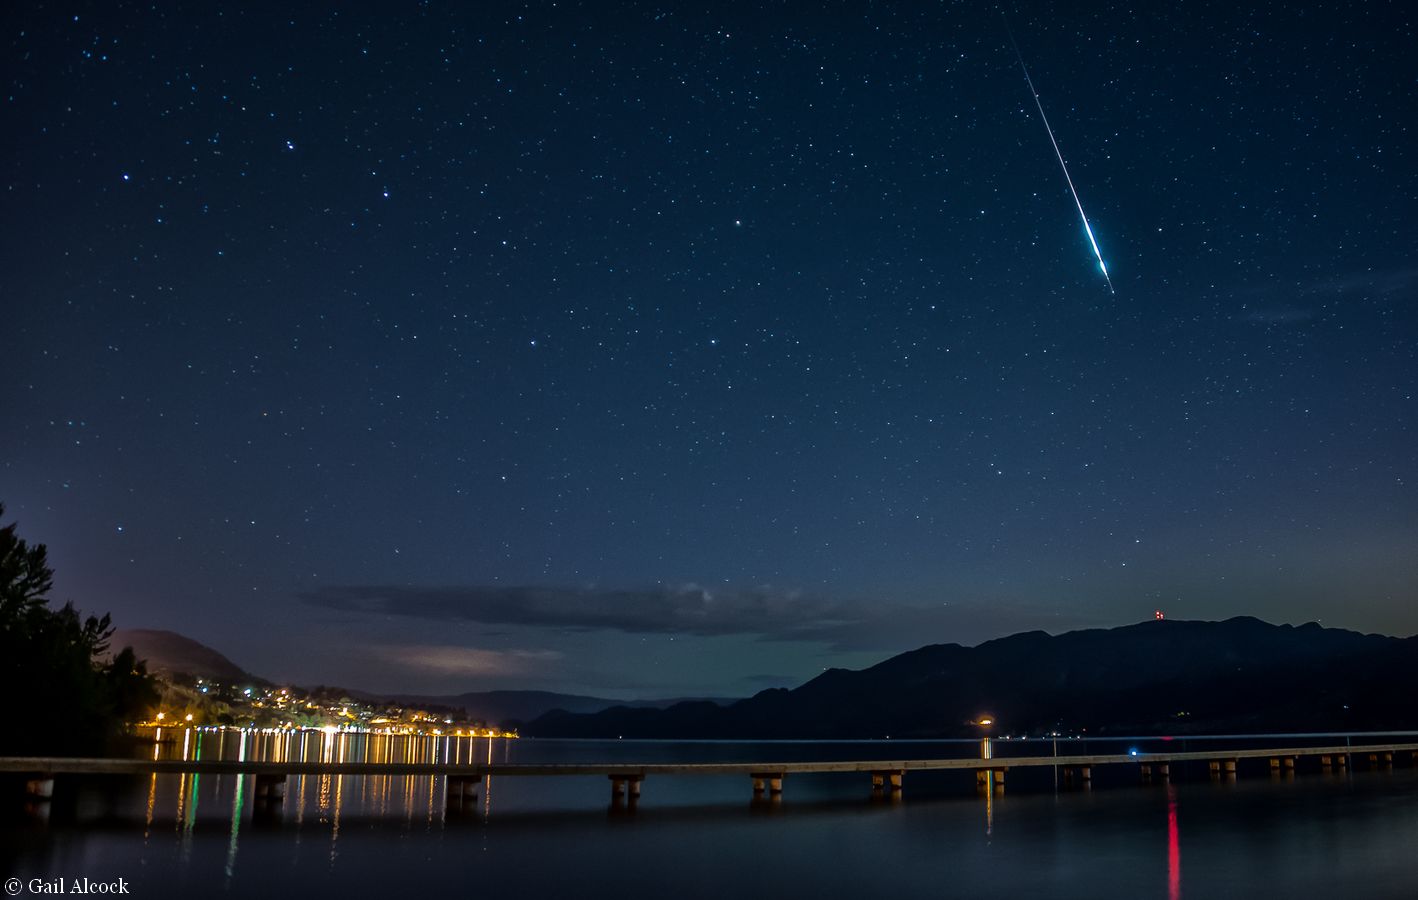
(646, 350)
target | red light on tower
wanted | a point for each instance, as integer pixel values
(1158, 615)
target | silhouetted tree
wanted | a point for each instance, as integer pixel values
(63, 695)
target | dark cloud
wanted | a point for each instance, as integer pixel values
(686, 609)
(766, 613)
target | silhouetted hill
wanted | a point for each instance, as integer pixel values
(169, 652)
(508, 708)
(1154, 677)
(511, 707)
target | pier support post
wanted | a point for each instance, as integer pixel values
(772, 780)
(40, 788)
(623, 783)
(460, 791)
(271, 787)
(886, 780)
(984, 778)
(1078, 776)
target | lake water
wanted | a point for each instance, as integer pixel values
(1339, 834)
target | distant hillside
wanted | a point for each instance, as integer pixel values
(1156, 677)
(512, 707)
(503, 707)
(169, 652)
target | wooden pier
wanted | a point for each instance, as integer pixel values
(461, 780)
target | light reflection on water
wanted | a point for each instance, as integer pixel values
(325, 796)
(1174, 848)
(1343, 833)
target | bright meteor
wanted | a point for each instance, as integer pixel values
(1059, 153)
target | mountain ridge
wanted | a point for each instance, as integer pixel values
(1165, 676)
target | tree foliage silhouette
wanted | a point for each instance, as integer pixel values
(65, 695)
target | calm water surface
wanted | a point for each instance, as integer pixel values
(1349, 834)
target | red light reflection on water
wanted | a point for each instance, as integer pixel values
(1174, 849)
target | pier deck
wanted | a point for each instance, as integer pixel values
(886, 773)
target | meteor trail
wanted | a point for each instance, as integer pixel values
(1059, 153)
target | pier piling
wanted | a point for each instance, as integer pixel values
(1155, 771)
(1078, 776)
(460, 791)
(989, 779)
(625, 782)
(39, 788)
(887, 779)
(271, 786)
